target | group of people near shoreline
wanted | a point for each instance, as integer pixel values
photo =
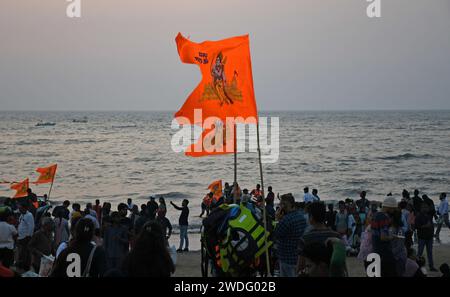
(38, 240)
(310, 238)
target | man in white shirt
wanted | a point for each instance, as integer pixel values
(7, 235)
(25, 231)
(443, 215)
(308, 197)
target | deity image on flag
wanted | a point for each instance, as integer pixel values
(220, 89)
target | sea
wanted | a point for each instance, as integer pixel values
(120, 155)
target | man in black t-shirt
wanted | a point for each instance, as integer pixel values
(425, 233)
(183, 223)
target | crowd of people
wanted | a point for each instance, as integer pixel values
(306, 238)
(311, 238)
(129, 241)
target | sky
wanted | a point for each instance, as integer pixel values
(306, 54)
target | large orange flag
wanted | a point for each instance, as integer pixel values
(216, 188)
(226, 88)
(21, 188)
(47, 174)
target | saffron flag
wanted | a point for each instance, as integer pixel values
(225, 90)
(21, 188)
(217, 140)
(47, 174)
(216, 188)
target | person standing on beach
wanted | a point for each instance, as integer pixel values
(315, 193)
(270, 203)
(443, 215)
(8, 234)
(115, 242)
(425, 234)
(330, 217)
(165, 225)
(149, 257)
(382, 238)
(417, 201)
(363, 202)
(236, 193)
(92, 257)
(64, 208)
(227, 191)
(152, 208)
(25, 231)
(98, 210)
(307, 196)
(288, 232)
(41, 243)
(162, 208)
(130, 204)
(62, 231)
(319, 232)
(183, 224)
(206, 204)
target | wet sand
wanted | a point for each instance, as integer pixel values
(188, 264)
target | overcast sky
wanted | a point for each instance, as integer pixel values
(306, 54)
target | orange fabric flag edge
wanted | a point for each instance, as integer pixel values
(216, 188)
(47, 174)
(21, 188)
(213, 141)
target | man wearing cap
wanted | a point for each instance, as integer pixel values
(381, 237)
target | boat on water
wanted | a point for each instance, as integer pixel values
(44, 124)
(82, 120)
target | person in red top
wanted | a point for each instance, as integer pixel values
(206, 204)
(257, 195)
(98, 210)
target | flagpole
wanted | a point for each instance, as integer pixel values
(51, 186)
(235, 166)
(263, 201)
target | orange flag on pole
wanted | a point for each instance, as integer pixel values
(47, 174)
(225, 90)
(216, 188)
(21, 188)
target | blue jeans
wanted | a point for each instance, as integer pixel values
(288, 270)
(429, 244)
(184, 237)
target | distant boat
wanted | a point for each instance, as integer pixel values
(43, 124)
(83, 120)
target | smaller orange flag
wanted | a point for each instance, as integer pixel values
(216, 188)
(21, 188)
(47, 174)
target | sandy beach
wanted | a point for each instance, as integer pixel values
(188, 264)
